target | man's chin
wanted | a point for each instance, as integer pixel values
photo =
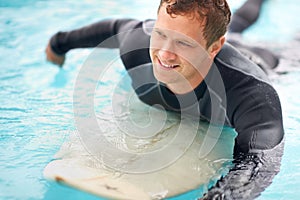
(161, 80)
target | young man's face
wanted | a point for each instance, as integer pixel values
(178, 51)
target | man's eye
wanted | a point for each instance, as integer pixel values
(160, 34)
(181, 43)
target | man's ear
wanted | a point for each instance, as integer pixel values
(215, 47)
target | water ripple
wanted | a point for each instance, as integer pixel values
(14, 110)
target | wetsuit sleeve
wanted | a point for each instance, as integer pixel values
(251, 174)
(258, 146)
(257, 118)
(257, 159)
(92, 35)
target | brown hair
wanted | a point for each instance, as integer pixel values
(216, 14)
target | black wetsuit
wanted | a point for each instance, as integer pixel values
(251, 103)
(235, 87)
(242, 19)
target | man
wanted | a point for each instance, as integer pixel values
(187, 67)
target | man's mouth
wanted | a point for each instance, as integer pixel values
(167, 66)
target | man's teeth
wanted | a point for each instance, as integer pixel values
(168, 66)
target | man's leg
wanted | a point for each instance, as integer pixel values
(245, 16)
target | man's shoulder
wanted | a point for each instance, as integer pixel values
(246, 87)
(230, 59)
(129, 24)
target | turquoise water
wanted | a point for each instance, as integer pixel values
(36, 111)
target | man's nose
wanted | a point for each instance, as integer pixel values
(167, 53)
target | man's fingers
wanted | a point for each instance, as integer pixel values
(51, 56)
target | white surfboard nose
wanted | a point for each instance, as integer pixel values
(93, 181)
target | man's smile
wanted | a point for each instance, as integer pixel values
(166, 66)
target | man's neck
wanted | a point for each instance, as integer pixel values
(185, 87)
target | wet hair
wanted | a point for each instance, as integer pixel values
(216, 14)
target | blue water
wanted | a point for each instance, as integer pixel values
(36, 111)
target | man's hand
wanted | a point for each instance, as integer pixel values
(53, 57)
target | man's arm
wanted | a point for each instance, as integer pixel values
(255, 110)
(252, 174)
(88, 36)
